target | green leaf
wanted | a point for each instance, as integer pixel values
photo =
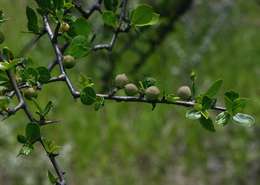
(30, 75)
(229, 105)
(2, 19)
(26, 150)
(222, 118)
(171, 97)
(50, 146)
(52, 178)
(68, 5)
(111, 4)
(205, 114)
(207, 124)
(44, 74)
(7, 54)
(155, 19)
(148, 82)
(47, 108)
(8, 65)
(233, 103)
(239, 104)
(4, 66)
(214, 88)
(32, 24)
(58, 4)
(81, 27)
(4, 102)
(88, 96)
(21, 139)
(232, 95)
(144, 15)
(244, 120)
(100, 102)
(193, 115)
(79, 47)
(33, 132)
(110, 19)
(44, 4)
(207, 102)
(37, 106)
(85, 81)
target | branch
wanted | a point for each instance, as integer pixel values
(31, 43)
(117, 31)
(90, 11)
(58, 53)
(162, 101)
(55, 165)
(19, 96)
(24, 106)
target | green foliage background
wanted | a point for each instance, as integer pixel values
(131, 144)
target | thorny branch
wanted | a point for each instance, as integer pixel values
(63, 77)
(23, 105)
(87, 13)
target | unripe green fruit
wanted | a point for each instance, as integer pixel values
(131, 89)
(152, 93)
(121, 80)
(69, 61)
(64, 27)
(30, 93)
(2, 37)
(184, 92)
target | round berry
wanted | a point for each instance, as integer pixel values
(69, 61)
(184, 92)
(64, 27)
(131, 89)
(152, 93)
(30, 93)
(121, 80)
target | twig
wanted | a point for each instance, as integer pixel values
(58, 53)
(31, 43)
(90, 11)
(118, 30)
(24, 106)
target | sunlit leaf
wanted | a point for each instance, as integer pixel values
(244, 120)
(144, 15)
(193, 114)
(26, 150)
(222, 118)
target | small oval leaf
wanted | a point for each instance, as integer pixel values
(88, 96)
(243, 120)
(222, 118)
(193, 115)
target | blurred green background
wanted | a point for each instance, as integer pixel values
(129, 144)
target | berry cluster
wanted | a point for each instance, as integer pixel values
(151, 92)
